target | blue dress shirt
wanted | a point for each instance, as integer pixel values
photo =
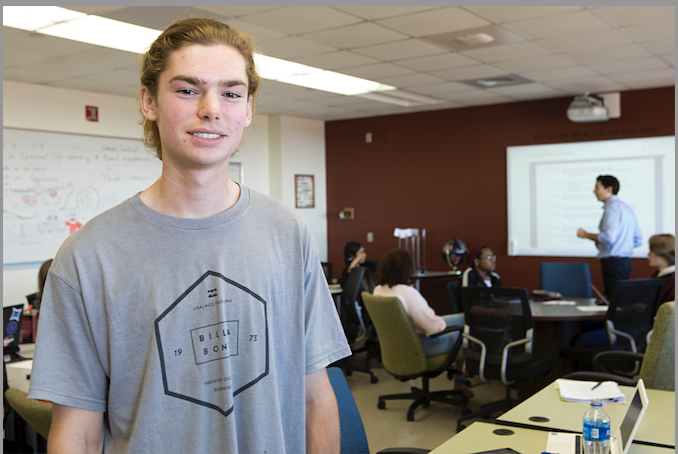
(619, 230)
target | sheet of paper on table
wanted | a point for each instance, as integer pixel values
(559, 303)
(581, 391)
(592, 308)
(22, 364)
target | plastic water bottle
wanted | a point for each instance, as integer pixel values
(596, 429)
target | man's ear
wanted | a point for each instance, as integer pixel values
(148, 105)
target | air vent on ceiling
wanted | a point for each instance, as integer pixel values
(499, 81)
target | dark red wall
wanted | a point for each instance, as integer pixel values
(446, 171)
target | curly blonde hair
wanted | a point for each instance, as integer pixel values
(207, 32)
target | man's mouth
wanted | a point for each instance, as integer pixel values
(204, 135)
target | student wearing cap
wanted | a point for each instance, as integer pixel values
(480, 273)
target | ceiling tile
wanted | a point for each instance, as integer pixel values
(358, 35)
(157, 18)
(12, 57)
(412, 80)
(479, 98)
(258, 34)
(524, 89)
(564, 24)
(98, 10)
(650, 83)
(559, 74)
(381, 12)
(470, 72)
(501, 14)
(655, 31)
(434, 21)
(292, 47)
(59, 67)
(129, 91)
(44, 45)
(665, 73)
(584, 41)
(301, 19)
(80, 84)
(439, 89)
(378, 71)
(235, 11)
(107, 58)
(115, 78)
(400, 50)
(507, 52)
(671, 59)
(436, 62)
(666, 47)
(628, 15)
(32, 77)
(589, 84)
(534, 64)
(336, 60)
(607, 54)
(624, 66)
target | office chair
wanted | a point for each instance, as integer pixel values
(658, 368)
(36, 413)
(628, 321)
(570, 279)
(354, 324)
(453, 290)
(498, 342)
(327, 269)
(403, 355)
(353, 438)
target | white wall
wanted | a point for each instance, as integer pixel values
(300, 146)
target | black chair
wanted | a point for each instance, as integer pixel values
(453, 290)
(570, 279)
(354, 324)
(628, 322)
(327, 269)
(498, 342)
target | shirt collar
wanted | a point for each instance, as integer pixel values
(668, 270)
(609, 201)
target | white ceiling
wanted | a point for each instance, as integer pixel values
(564, 50)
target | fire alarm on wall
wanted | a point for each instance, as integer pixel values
(91, 113)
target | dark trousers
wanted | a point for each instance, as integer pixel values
(615, 269)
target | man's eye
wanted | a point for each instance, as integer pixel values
(186, 91)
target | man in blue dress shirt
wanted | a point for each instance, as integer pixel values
(618, 234)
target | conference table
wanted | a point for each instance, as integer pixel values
(657, 426)
(483, 436)
(419, 275)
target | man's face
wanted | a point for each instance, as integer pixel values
(601, 192)
(201, 107)
(487, 260)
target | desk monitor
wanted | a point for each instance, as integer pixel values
(11, 328)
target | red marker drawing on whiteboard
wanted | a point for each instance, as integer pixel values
(73, 225)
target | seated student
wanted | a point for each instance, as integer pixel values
(355, 256)
(480, 273)
(662, 255)
(392, 277)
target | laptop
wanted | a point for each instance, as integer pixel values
(620, 442)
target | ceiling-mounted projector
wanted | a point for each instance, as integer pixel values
(587, 108)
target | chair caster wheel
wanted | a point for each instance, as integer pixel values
(374, 379)
(381, 405)
(410, 417)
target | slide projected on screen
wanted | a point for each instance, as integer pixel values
(550, 192)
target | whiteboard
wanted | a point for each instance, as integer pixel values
(54, 183)
(550, 192)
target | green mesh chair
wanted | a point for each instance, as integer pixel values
(403, 355)
(658, 368)
(36, 413)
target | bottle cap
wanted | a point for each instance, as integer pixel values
(596, 402)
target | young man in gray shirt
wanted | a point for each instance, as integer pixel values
(173, 322)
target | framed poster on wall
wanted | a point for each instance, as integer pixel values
(304, 191)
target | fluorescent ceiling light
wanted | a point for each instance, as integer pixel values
(100, 31)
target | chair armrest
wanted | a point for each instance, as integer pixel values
(614, 355)
(404, 451)
(599, 376)
(449, 329)
(504, 356)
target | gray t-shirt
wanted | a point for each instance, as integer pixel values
(193, 335)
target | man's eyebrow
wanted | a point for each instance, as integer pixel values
(199, 82)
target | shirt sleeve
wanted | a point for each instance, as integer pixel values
(67, 369)
(637, 235)
(423, 317)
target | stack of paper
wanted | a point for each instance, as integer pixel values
(582, 391)
(592, 308)
(559, 303)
